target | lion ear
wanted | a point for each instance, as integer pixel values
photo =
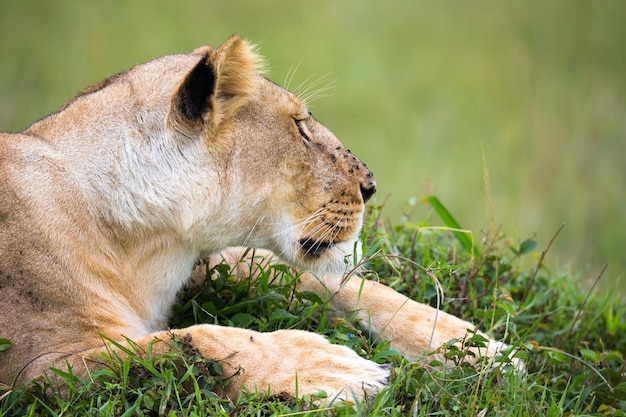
(220, 83)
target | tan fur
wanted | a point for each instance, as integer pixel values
(106, 204)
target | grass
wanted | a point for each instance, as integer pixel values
(573, 341)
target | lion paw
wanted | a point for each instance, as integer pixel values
(300, 363)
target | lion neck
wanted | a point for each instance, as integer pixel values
(134, 194)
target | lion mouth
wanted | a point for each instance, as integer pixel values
(315, 248)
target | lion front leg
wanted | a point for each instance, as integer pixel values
(413, 329)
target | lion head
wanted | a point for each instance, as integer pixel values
(294, 187)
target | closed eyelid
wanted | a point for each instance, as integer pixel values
(302, 128)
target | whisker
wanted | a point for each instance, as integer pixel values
(308, 220)
(317, 228)
(290, 74)
(302, 87)
(320, 240)
(316, 89)
(333, 231)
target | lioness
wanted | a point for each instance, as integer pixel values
(107, 204)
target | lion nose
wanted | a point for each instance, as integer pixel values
(368, 188)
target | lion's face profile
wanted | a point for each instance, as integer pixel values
(295, 188)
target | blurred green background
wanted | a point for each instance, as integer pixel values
(421, 90)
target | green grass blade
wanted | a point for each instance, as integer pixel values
(461, 234)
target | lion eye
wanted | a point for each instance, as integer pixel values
(304, 131)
